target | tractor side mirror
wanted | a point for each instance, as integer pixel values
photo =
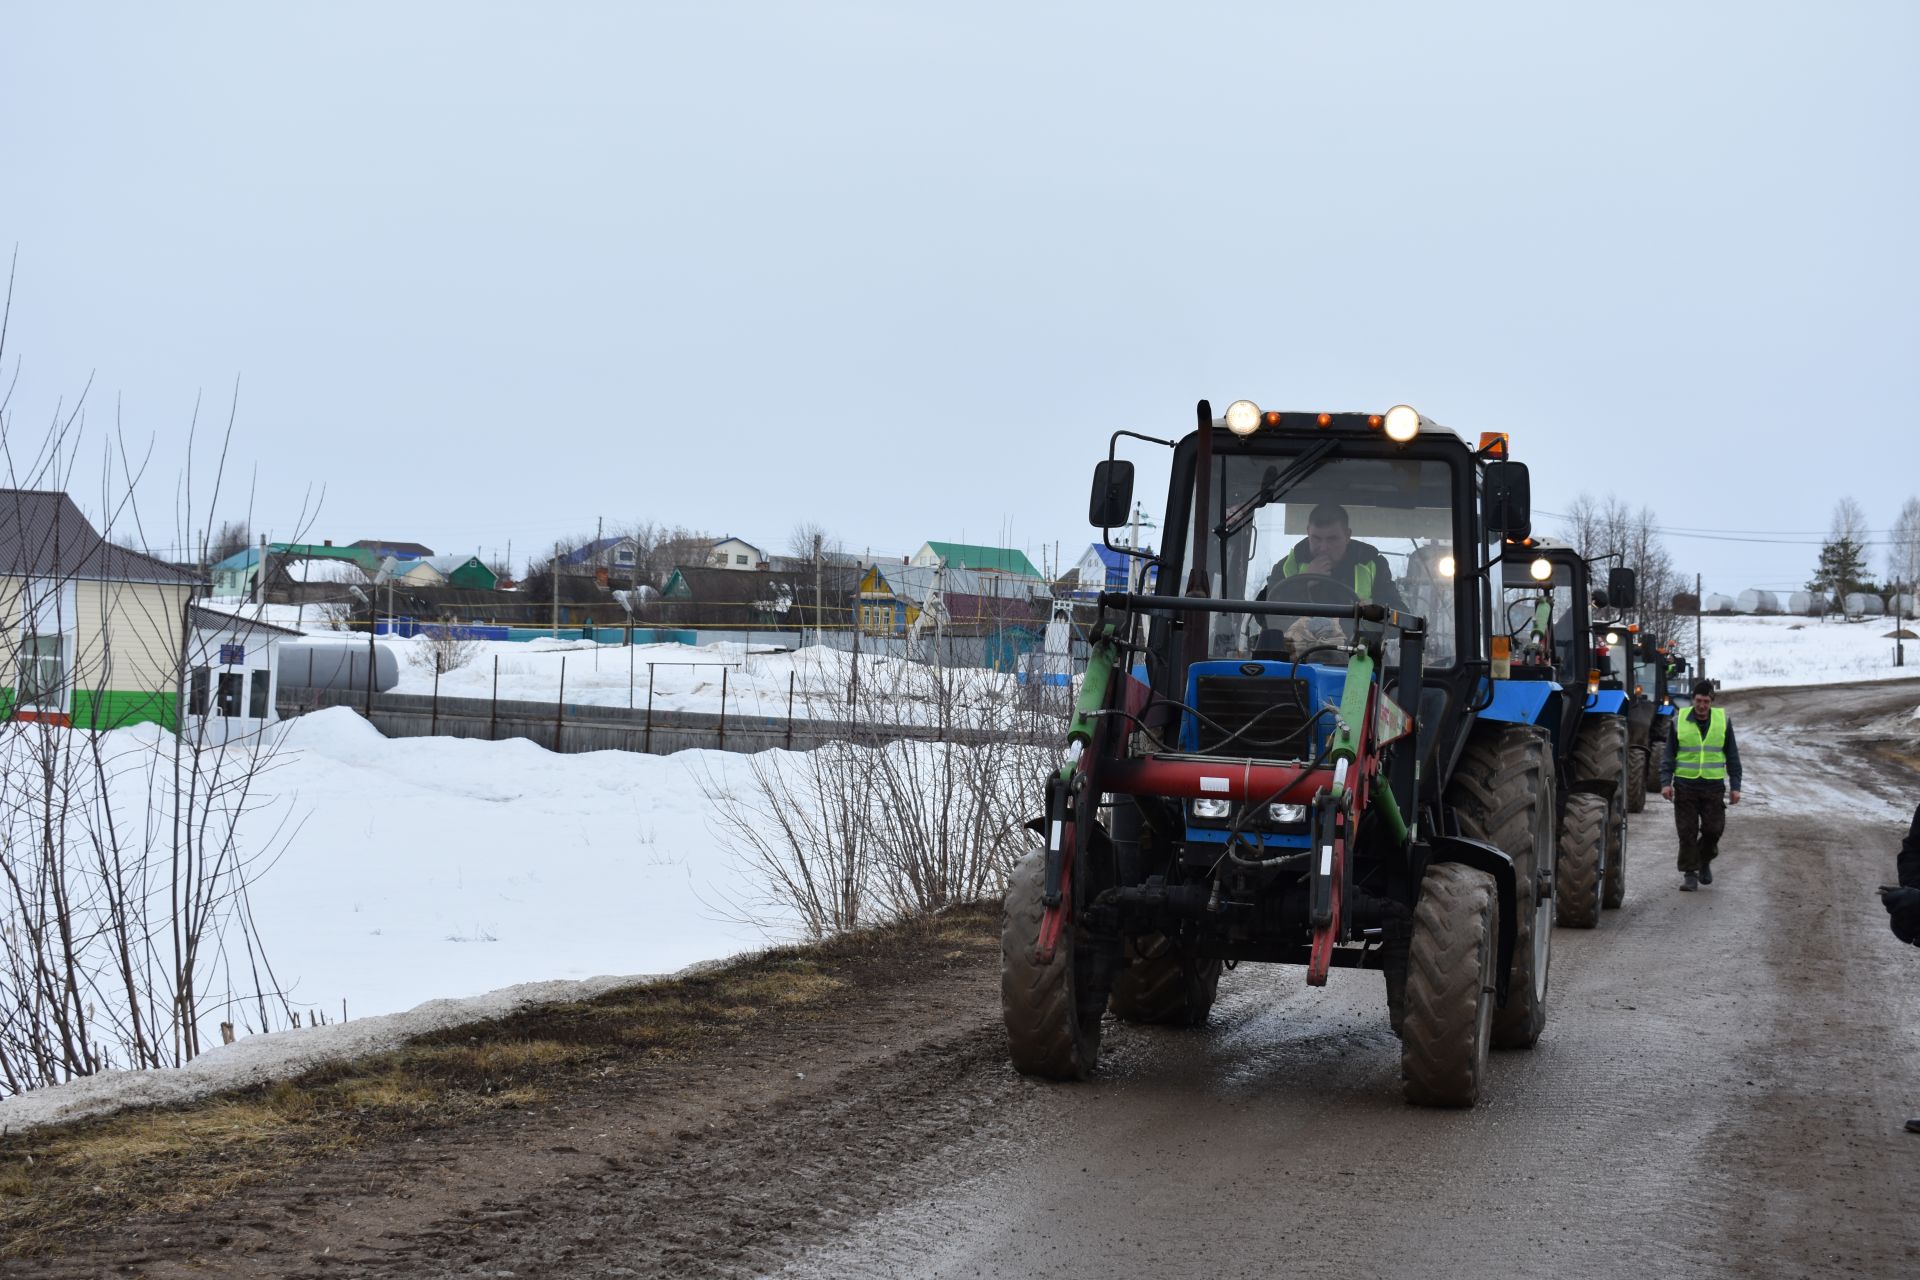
(1509, 501)
(1600, 600)
(1112, 494)
(1620, 584)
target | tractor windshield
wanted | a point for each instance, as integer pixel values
(1366, 528)
(1540, 617)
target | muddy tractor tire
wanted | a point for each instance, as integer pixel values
(1503, 793)
(1447, 1021)
(1600, 754)
(1583, 843)
(1613, 879)
(1052, 1009)
(1638, 762)
(1160, 983)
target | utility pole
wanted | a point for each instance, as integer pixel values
(553, 571)
(1699, 627)
(819, 619)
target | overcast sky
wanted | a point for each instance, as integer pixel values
(489, 274)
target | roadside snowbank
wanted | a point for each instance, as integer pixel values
(285, 1054)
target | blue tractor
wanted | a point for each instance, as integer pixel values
(1296, 751)
(1559, 668)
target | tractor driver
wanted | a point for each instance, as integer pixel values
(1330, 551)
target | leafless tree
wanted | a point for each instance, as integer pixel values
(233, 538)
(1903, 548)
(1849, 522)
(127, 856)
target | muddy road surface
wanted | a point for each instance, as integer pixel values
(1719, 1092)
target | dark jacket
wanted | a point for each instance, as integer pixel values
(1670, 760)
(1358, 553)
(1909, 861)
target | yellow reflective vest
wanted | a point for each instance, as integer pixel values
(1701, 756)
(1363, 574)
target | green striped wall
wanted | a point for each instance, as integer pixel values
(112, 709)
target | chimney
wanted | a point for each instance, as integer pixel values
(327, 543)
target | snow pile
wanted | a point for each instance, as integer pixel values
(1746, 653)
(433, 868)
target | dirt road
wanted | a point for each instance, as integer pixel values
(1719, 1091)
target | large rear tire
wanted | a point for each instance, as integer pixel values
(1637, 762)
(1448, 1018)
(1583, 842)
(1162, 983)
(1052, 1009)
(1503, 793)
(1600, 754)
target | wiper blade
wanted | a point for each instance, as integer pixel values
(1275, 485)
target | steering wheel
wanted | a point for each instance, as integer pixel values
(1314, 583)
(1316, 589)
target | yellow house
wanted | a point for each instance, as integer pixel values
(93, 632)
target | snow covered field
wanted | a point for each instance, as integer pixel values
(1747, 653)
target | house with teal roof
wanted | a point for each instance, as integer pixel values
(979, 559)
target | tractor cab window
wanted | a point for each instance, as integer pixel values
(1539, 618)
(1373, 529)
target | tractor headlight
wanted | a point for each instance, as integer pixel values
(1209, 810)
(1402, 423)
(1243, 417)
(1446, 566)
(1541, 569)
(1613, 638)
(1288, 812)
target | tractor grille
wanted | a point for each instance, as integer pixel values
(1252, 716)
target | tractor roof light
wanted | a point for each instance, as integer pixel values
(1593, 681)
(1402, 423)
(1541, 568)
(1446, 566)
(1243, 417)
(1613, 637)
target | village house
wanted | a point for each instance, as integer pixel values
(94, 631)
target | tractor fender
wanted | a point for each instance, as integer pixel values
(1607, 702)
(1482, 856)
(1518, 701)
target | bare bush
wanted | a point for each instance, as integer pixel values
(921, 804)
(126, 854)
(446, 646)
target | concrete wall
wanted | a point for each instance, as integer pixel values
(581, 727)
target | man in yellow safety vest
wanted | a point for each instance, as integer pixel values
(1701, 775)
(1330, 551)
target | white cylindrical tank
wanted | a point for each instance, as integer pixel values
(1861, 605)
(335, 664)
(1754, 600)
(1717, 603)
(1901, 603)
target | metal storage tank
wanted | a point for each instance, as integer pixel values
(1861, 605)
(336, 664)
(1717, 603)
(1754, 600)
(1806, 604)
(1901, 603)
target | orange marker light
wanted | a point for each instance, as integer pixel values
(1633, 628)
(1373, 421)
(1593, 682)
(1493, 444)
(1271, 417)
(1325, 419)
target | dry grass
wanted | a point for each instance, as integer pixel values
(73, 1178)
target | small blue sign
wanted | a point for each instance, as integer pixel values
(233, 655)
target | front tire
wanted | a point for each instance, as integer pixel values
(1503, 793)
(1448, 1018)
(1161, 983)
(1051, 1009)
(1637, 788)
(1583, 842)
